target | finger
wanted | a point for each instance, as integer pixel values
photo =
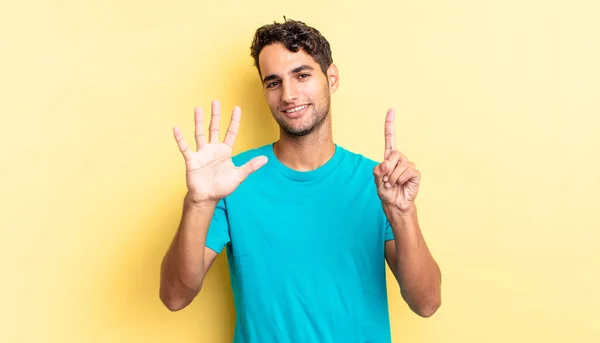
(395, 174)
(234, 126)
(392, 159)
(401, 158)
(390, 145)
(379, 171)
(251, 166)
(215, 119)
(199, 128)
(183, 147)
(409, 174)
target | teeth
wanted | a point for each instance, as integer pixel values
(296, 109)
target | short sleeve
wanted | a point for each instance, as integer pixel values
(389, 234)
(218, 231)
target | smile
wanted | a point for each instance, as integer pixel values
(296, 109)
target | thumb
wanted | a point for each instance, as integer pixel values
(251, 166)
(380, 170)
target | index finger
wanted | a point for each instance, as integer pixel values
(390, 145)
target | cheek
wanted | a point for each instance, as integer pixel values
(319, 89)
(272, 99)
(313, 90)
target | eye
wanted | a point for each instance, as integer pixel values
(272, 84)
(302, 76)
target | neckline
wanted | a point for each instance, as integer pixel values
(308, 175)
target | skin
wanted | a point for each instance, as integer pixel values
(295, 79)
(306, 142)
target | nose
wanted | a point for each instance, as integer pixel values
(289, 93)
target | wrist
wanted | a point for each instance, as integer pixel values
(403, 214)
(198, 201)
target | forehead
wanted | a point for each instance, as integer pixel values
(276, 59)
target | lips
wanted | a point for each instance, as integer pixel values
(296, 111)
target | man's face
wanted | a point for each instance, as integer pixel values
(296, 90)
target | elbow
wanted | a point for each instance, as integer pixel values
(424, 308)
(429, 310)
(172, 303)
(176, 299)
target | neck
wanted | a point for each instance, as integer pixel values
(307, 152)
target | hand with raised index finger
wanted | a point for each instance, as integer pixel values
(397, 178)
(210, 172)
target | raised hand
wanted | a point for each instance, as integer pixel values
(397, 178)
(210, 172)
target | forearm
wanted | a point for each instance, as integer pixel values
(182, 270)
(418, 274)
(192, 241)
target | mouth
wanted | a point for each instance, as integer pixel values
(295, 112)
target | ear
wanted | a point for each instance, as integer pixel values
(333, 78)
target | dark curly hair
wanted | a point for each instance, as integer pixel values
(294, 35)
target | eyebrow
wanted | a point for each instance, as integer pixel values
(294, 71)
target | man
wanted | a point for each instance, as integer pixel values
(306, 224)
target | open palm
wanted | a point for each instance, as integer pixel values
(210, 172)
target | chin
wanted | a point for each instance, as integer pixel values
(302, 126)
(297, 131)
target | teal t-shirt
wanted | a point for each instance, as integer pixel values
(306, 252)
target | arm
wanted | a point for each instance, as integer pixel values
(415, 269)
(210, 177)
(398, 181)
(188, 260)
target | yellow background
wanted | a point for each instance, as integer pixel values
(498, 106)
